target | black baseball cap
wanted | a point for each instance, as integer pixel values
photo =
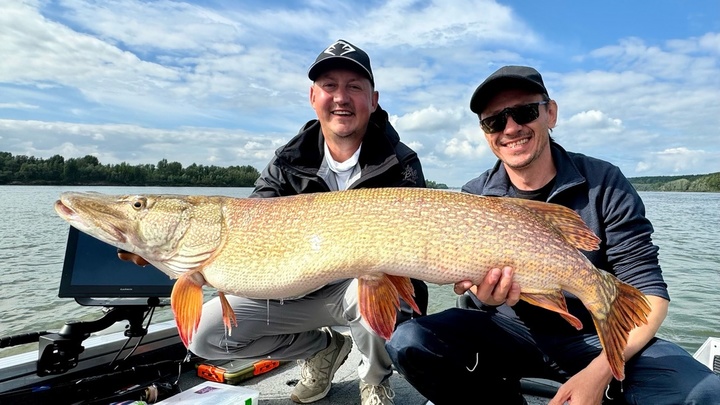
(507, 77)
(342, 55)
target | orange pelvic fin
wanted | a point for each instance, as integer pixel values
(186, 301)
(406, 290)
(553, 301)
(229, 319)
(630, 309)
(379, 299)
(566, 221)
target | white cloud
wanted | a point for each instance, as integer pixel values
(678, 161)
(225, 82)
(114, 143)
(18, 106)
(590, 128)
(442, 24)
(125, 22)
(429, 119)
(596, 119)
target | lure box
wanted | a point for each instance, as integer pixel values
(234, 371)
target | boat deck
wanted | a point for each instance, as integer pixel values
(161, 348)
(275, 386)
(19, 382)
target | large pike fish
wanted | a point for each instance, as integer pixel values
(285, 247)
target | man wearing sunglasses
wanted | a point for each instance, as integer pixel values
(483, 349)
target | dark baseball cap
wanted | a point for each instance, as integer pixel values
(342, 55)
(505, 78)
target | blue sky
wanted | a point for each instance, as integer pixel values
(225, 82)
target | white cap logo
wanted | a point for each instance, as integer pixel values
(339, 48)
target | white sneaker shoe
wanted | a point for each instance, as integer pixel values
(317, 372)
(381, 394)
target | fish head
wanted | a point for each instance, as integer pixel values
(174, 233)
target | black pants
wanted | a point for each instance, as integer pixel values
(460, 355)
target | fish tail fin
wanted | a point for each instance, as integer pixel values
(186, 301)
(229, 319)
(629, 309)
(379, 299)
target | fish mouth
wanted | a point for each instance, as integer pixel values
(112, 234)
(63, 210)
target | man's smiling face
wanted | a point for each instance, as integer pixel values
(343, 101)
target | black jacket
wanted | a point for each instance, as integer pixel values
(384, 162)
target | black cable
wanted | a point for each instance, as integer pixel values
(149, 320)
(148, 316)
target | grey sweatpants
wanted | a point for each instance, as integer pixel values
(290, 329)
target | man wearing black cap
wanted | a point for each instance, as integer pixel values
(484, 348)
(351, 144)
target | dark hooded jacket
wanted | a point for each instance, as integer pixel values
(610, 206)
(384, 162)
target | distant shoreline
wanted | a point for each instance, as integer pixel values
(705, 183)
(88, 171)
(660, 186)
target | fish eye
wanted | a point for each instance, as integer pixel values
(139, 203)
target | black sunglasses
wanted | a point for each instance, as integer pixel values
(521, 114)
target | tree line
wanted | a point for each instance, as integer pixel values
(88, 170)
(698, 182)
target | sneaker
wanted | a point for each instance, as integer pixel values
(317, 372)
(376, 394)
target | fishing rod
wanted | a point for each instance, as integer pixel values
(22, 338)
(148, 382)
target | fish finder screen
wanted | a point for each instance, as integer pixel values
(94, 275)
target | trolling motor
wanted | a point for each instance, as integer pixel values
(59, 352)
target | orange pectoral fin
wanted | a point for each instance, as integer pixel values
(553, 301)
(229, 319)
(186, 301)
(378, 298)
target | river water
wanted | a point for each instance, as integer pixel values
(33, 239)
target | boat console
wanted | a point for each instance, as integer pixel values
(94, 275)
(131, 355)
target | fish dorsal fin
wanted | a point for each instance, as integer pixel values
(565, 220)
